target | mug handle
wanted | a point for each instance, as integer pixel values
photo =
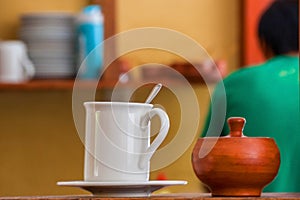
(165, 125)
(28, 66)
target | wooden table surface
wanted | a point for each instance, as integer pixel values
(189, 196)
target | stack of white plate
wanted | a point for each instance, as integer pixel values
(51, 43)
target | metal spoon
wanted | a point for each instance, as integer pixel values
(153, 93)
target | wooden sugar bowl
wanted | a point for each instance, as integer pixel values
(236, 165)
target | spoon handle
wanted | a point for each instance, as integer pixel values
(153, 93)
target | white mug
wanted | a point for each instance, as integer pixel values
(117, 140)
(15, 65)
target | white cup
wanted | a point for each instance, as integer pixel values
(15, 65)
(117, 140)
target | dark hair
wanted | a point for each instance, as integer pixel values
(279, 27)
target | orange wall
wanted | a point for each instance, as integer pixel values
(214, 24)
(12, 9)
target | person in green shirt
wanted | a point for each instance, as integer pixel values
(267, 95)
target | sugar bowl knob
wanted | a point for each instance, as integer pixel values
(236, 126)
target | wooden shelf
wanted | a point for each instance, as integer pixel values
(59, 85)
(110, 78)
(39, 85)
(53, 85)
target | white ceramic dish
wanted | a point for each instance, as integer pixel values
(122, 189)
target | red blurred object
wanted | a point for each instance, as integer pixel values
(206, 71)
(252, 10)
(161, 176)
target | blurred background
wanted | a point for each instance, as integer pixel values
(39, 144)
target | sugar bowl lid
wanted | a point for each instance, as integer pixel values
(236, 126)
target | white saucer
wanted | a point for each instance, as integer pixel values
(121, 189)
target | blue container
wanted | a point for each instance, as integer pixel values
(90, 35)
